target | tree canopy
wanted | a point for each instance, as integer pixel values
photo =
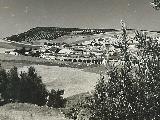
(132, 90)
(27, 87)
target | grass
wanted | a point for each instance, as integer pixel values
(55, 74)
(14, 45)
(24, 111)
(72, 80)
(7, 61)
(69, 38)
(75, 82)
(73, 100)
(95, 69)
(7, 46)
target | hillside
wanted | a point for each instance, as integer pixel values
(24, 111)
(50, 33)
(59, 34)
(39, 33)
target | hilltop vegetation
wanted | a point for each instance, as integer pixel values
(50, 33)
(39, 33)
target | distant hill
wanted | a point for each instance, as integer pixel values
(39, 33)
(50, 33)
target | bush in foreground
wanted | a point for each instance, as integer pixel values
(55, 99)
(27, 87)
(132, 91)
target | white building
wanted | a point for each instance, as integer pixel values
(65, 51)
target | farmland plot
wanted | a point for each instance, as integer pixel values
(72, 80)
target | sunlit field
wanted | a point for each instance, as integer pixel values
(72, 80)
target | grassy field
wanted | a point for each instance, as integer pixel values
(76, 80)
(75, 38)
(8, 61)
(72, 80)
(14, 45)
(7, 46)
(8, 57)
(70, 38)
(19, 111)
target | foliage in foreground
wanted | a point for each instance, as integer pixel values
(132, 92)
(26, 87)
(55, 99)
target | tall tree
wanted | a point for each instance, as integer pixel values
(132, 91)
(34, 91)
(55, 99)
(11, 92)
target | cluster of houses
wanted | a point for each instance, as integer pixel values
(98, 50)
(73, 52)
(94, 51)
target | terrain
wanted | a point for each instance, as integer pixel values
(52, 33)
(24, 111)
(78, 80)
(72, 80)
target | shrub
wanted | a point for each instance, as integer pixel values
(55, 99)
(27, 88)
(11, 83)
(32, 88)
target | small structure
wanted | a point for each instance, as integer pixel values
(65, 51)
(13, 53)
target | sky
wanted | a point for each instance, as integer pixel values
(17, 16)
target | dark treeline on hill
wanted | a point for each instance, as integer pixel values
(39, 33)
(50, 33)
(27, 87)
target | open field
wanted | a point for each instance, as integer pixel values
(81, 38)
(72, 80)
(67, 39)
(8, 57)
(14, 45)
(7, 46)
(19, 111)
(71, 38)
(7, 61)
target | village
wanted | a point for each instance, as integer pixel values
(99, 50)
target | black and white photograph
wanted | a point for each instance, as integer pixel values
(79, 59)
